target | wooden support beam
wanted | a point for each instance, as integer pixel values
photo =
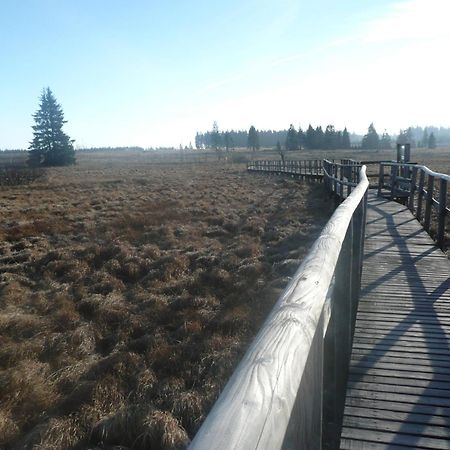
(420, 194)
(442, 212)
(429, 203)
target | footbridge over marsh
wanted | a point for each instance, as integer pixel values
(356, 352)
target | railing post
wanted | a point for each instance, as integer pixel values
(335, 169)
(394, 172)
(412, 189)
(337, 344)
(442, 216)
(380, 179)
(429, 202)
(420, 194)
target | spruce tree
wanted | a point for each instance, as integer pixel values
(329, 138)
(50, 145)
(310, 137)
(371, 140)
(386, 141)
(228, 141)
(215, 137)
(319, 138)
(432, 141)
(292, 138)
(425, 138)
(346, 139)
(253, 139)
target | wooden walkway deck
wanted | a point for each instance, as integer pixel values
(398, 393)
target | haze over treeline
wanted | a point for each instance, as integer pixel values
(319, 137)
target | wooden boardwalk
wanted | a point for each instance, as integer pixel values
(398, 393)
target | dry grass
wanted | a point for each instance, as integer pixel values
(129, 292)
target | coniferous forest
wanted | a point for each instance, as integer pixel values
(328, 138)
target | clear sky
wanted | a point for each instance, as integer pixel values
(152, 73)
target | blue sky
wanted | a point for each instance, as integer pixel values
(152, 73)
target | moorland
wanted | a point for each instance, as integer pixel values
(129, 290)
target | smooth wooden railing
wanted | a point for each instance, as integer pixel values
(341, 178)
(288, 391)
(308, 168)
(417, 186)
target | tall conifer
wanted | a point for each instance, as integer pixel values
(50, 145)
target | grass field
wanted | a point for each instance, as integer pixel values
(131, 285)
(129, 291)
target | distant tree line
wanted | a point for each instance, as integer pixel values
(318, 138)
(428, 137)
(290, 139)
(238, 139)
(110, 149)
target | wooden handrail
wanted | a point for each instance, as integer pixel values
(304, 168)
(416, 184)
(337, 175)
(275, 397)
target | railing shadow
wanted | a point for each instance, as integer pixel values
(421, 323)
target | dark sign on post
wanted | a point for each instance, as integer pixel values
(403, 153)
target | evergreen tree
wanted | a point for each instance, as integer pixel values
(329, 141)
(406, 137)
(432, 141)
(386, 141)
(310, 137)
(371, 141)
(198, 141)
(228, 141)
(253, 140)
(215, 136)
(50, 145)
(346, 139)
(291, 138)
(425, 138)
(318, 138)
(300, 138)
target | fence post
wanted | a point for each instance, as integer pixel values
(429, 202)
(442, 215)
(335, 179)
(412, 189)
(337, 344)
(380, 179)
(394, 172)
(420, 194)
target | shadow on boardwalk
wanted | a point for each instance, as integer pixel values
(399, 384)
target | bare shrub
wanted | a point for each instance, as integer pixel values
(19, 175)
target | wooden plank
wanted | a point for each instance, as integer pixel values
(391, 439)
(413, 400)
(401, 359)
(423, 429)
(431, 384)
(397, 416)
(398, 389)
(397, 407)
